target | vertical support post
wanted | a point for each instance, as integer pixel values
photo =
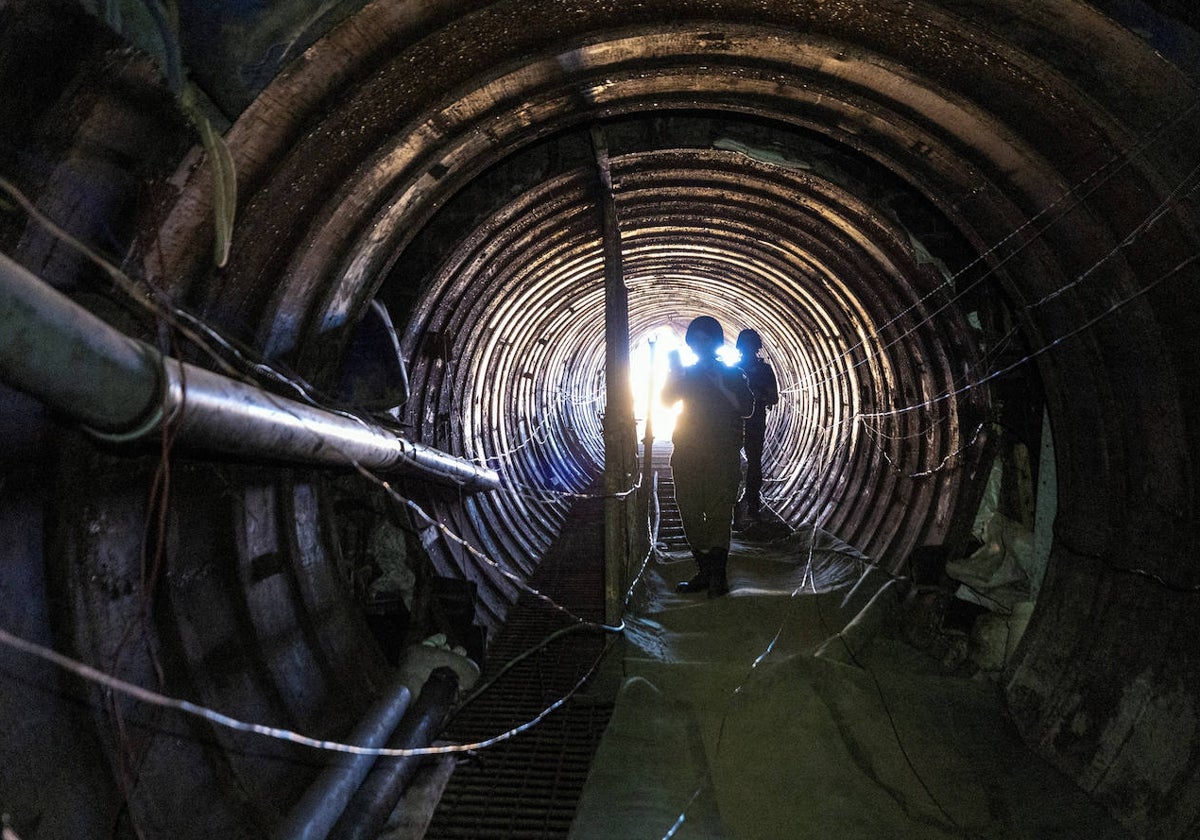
(620, 436)
(647, 456)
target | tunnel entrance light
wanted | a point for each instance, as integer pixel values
(648, 373)
(647, 377)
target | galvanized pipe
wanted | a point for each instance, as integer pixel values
(123, 389)
(68, 358)
(224, 415)
(326, 798)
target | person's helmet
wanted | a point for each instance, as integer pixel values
(749, 342)
(704, 335)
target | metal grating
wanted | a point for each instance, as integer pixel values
(670, 523)
(528, 788)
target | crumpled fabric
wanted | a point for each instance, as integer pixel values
(388, 548)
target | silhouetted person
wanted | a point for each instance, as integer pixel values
(761, 379)
(706, 460)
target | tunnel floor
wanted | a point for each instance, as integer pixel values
(717, 718)
(734, 721)
(527, 788)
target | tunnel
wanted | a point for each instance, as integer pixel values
(967, 232)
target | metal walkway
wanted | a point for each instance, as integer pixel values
(670, 524)
(528, 788)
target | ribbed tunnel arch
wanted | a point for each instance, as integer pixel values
(835, 289)
(944, 218)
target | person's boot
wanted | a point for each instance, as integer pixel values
(718, 583)
(700, 582)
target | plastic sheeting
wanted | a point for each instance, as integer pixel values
(1005, 572)
(727, 725)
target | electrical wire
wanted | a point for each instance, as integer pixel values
(155, 698)
(175, 317)
(192, 329)
(996, 374)
(161, 701)
(887, 709)
(1121, 159)
(519, 581)
(882, 698)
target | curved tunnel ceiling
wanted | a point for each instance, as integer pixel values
(931, 211)
(907, 199)
(703, 230)
(1026, 168)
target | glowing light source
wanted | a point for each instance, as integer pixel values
(647, 378)
(729, 355)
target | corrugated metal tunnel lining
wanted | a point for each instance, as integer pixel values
(753, 243)
(865, 183)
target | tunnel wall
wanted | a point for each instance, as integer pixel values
(1119, 396)
(351, 152)
(178, 579)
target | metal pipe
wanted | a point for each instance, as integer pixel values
(228, 416)
(57, 351)
(122, 389)
(326, 798)
(368, 812)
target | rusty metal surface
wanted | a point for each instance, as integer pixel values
(866, 181)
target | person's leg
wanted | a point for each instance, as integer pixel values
(720, 498)
(718, 579)
(690, 491)
(700, 581)
(754, 479)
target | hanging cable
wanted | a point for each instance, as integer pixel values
(1120, 160)
(154, 698)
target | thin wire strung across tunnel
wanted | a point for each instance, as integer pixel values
(175, 316)
(843, 437)
(154, 698)
(1180, 191)
(977, 383)
(945, 462)
(1080, 328)
(257, 729)
(551, 492)
(157, 308)
(874, 431)
(809, 581)
(185, 706)
(555, 491)
(969, 835)
(169, 312)
(156, 303)
(962, 389)
(1121, 160)
(531, 788)
(157, 699)
(1045, 348)
(479, 555)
